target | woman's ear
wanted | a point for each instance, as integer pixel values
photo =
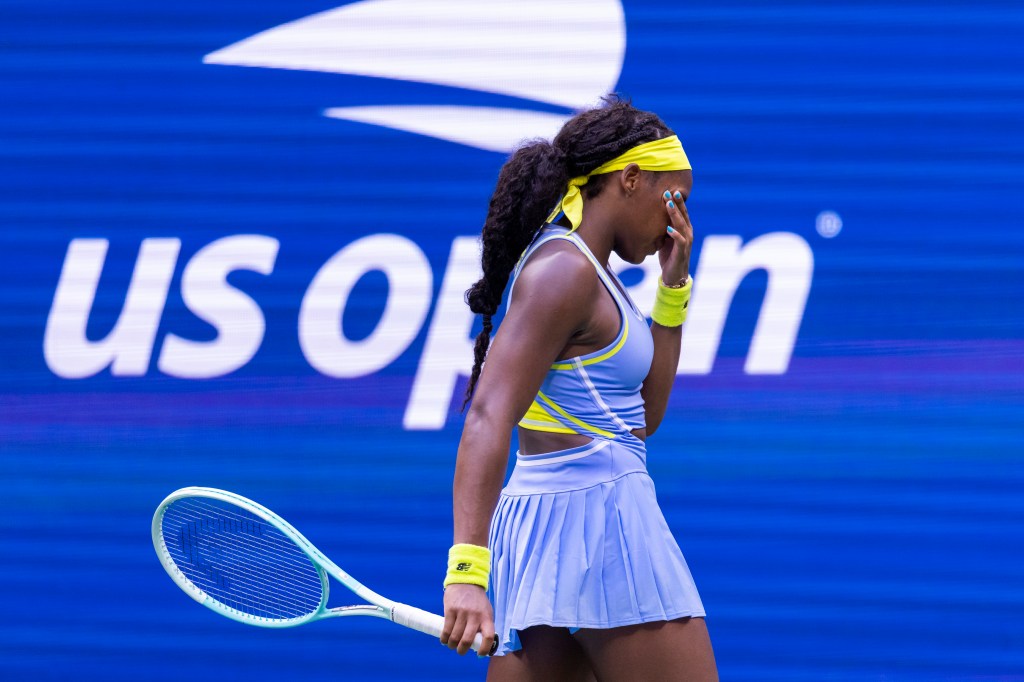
(629, 178)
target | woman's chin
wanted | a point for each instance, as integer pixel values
(632, 258)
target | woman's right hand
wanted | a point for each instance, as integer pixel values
(467, 611)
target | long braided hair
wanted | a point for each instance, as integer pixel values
(531, 183)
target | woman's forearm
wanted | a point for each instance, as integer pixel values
(479, 473)
(658, 384)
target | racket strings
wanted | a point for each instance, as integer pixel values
(249, 564)
(226, 517)
(259, 583)
(213, 577)
(245, 587)
(241, 560)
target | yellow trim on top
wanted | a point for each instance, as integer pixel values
(530, 426)
(574, 420)
(539, 419)
(538, 414)
(603, 356)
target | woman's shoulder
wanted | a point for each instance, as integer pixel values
(557, 269)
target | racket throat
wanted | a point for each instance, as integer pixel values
(362, 610)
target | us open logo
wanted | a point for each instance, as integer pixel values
(517, 48)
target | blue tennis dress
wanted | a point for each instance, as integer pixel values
(577, 539)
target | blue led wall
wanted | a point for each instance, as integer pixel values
(233, 243)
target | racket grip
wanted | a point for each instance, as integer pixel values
(429, 623)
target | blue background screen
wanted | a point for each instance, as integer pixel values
(849, 501)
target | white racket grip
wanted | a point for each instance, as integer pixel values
(426, 622)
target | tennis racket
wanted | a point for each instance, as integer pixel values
(245, 562)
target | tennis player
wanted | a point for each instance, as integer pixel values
(585, 578)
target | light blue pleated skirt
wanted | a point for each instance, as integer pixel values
(577, 540)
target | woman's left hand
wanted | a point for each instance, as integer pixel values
(675, 252)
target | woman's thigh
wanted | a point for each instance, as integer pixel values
(548, 654)
(661, 651)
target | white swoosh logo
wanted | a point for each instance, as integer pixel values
(567, 54)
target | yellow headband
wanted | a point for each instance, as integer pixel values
(665, 154)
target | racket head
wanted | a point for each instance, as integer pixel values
(238, 558)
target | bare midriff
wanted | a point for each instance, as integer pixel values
(541, 442)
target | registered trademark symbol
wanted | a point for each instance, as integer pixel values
(828, 224)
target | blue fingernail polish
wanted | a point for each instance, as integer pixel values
(669, 228)
(667, 195)
(679, 195)
(671, 205)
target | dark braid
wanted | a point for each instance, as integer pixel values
(529, 186)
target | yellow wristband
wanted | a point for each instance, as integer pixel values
(468, 564)
(671, 304)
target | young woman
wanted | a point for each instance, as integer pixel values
(585, 577)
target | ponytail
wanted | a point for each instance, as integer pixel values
(529, 185)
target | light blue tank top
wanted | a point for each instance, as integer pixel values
(597, 394)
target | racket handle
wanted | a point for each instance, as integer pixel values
(429, 623)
